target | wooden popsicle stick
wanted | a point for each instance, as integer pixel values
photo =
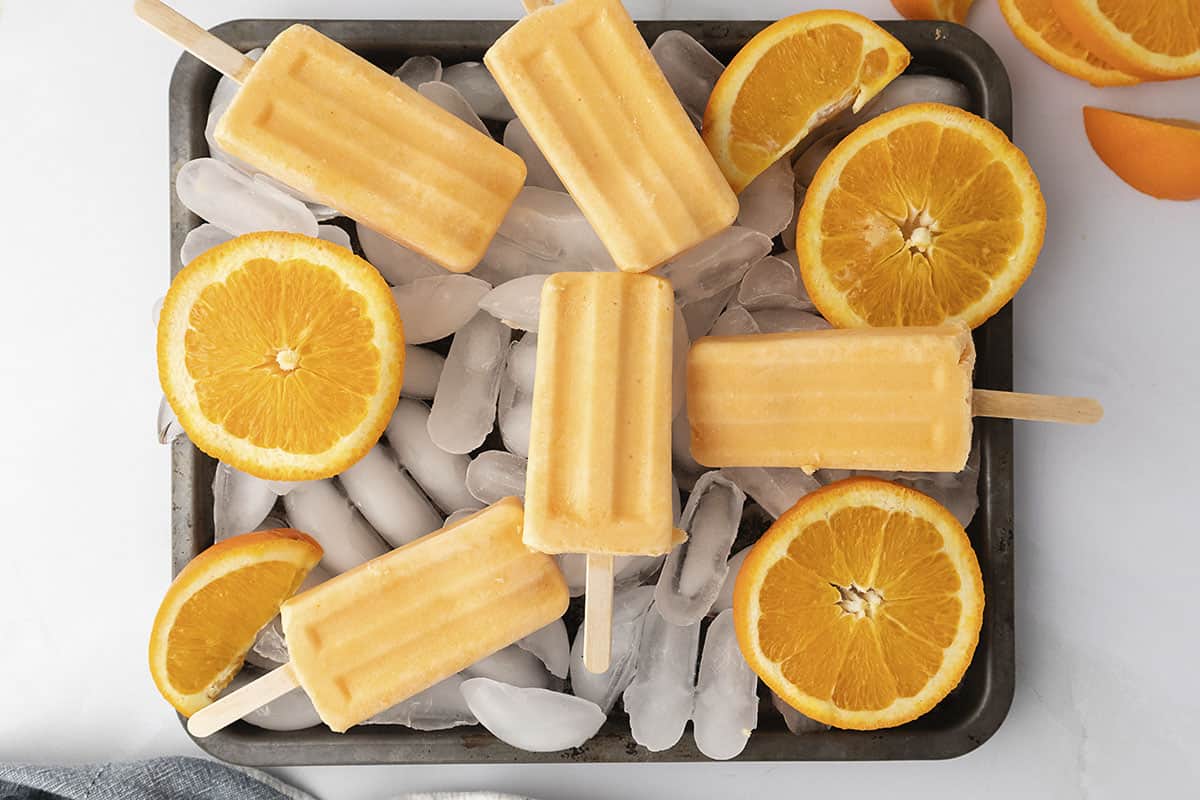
(597, 614)
(251, 697)
(533, 5)
(191, 37)
(1036, 407)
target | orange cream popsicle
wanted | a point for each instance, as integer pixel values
(582, 80)
(863, 398)
(398, 624)
(342, 131)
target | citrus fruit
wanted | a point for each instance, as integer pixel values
(281, 355)
(1037, 26)
(861, 606)
(1156, 41)
(217, 605)
(787, 80)
(949, 10)
(1160, 157)
(924, 215)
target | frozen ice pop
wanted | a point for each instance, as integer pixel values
(581, 79)
(599, 472)
(398, 624)
(338, 129)
(862, 398)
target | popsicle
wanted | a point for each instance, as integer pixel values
(339, 130)
(599, 472)
(398, 624)
(582, 80)
(862, 398)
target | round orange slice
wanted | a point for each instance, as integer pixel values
(949, 10)
(281, 354)
(217, 605)
(788, 79)
(1160, 157)
(1037, 26)
(861, 606)
(924, 215)
(1156, 41)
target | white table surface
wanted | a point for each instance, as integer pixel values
(1106, 539)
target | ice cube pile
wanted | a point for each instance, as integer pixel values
(460, 434)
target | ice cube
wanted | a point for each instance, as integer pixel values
(464, 407)
(792, 259)
(514, 414)
(395, 262)
(715, 264)
(433, 308)
(726, 695)
(679, 350)
(537, 720)
(280, 488)
(627, 570)
(513, 666)
(544, 232)
(809, 160)
(660, 698)
(442, 475)
(290, 712)
(787, 320)
(538, 169)
(695, 570)
(494, 475)
(552, 647)
(768, 204)
(422, 371)
(240, 502)
(325, 514)
(336, 235)
(776, 489)
(169, 428)
(516, 303)
(772, 283)
(201, 239)
(701, 315)
(724, 600)
(796, 722)
(691, 70)
(446, 96)
(685, 468)
(459, 516)
(734, 321)
(440, 707)
(603, 689)
(904, 90)
(227, 89)
(237, 204)
(419, 69)
(480, 89)
(388, 498)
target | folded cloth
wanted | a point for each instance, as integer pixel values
(156, 779)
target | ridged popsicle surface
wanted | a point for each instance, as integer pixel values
(396, 625)
(864, 398)
(342, 131)
(599, 474)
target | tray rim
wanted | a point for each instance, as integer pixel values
(245, 745)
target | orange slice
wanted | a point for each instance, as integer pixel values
(1037, 26)
(787, 80)
(1156, 41)
(281, 355)
(923, 215)
(861, 606)
(949, 10)
(1160, 157)
(217, 605)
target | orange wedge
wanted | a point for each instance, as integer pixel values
(861, 606)
(217, 605)
(281, 355)
(949, 10)
(1160, 157)
(924, 215)
(787, 80)
(1037, 26)
(1155, 41)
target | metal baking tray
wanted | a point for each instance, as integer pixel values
(963, 721)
